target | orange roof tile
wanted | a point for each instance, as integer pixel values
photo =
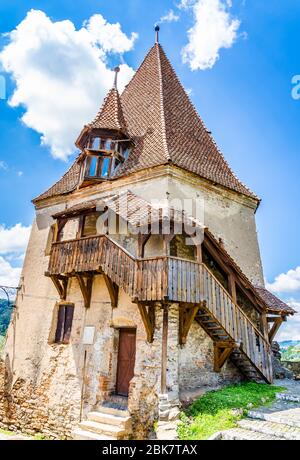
(160, 117)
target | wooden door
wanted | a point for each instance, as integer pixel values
(126, 360)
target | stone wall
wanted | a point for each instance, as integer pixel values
(196, 363)
(31, 408)
(293, 366)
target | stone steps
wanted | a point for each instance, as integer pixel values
(106, 423)
(103, 428)
(82, 435)
(113, 411)
(289, 417)
(109, 419)
(271, 429)
(288, 397)
(240, 434)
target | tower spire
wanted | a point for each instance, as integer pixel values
(116, 70)
(157, 29)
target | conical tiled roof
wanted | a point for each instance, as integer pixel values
(110, 116)
(159, 116)
(157, 108)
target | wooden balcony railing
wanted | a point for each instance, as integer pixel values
(236, 324)
(164, 278)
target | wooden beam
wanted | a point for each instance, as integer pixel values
(164, 350)
(167, 240)
(61, 284)
(227, 267)
(199, 253)
(264, 324)
(222, 351)
(142, 240)
(113, 290)
(232, 287)
(148, 317)
(274, 329)
(186, 318)
(86, 288)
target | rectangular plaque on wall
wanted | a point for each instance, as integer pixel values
(88, 335)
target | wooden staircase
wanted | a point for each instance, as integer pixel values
(233, 333)
(175, 280)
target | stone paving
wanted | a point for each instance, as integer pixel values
(277, 421)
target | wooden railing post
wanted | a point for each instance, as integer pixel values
(164, 350)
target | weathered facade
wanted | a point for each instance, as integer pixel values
(142, 278)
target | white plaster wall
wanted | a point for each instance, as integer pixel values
(228, 215)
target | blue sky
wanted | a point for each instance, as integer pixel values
(245, 100)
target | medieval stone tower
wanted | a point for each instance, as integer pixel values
(113, 326)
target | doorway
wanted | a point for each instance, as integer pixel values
(126, 360)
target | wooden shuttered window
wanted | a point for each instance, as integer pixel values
(64, 323)
(52, 235)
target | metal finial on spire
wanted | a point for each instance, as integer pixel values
(157, 29)
(116, 70)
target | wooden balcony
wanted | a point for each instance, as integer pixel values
(165, 279)
(152, 279)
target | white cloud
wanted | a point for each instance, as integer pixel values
(286, 282)
(109, 36)
(214, 29)
(9, 276)
(62, 74)
(290, 330)
(3, 165)
(14, 239)
(169, 17)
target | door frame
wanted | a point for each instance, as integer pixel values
(120, 330)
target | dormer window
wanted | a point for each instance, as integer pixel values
(103, 157)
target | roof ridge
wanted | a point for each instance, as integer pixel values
(162, 110)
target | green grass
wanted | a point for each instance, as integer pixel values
(7, 432)
(220, 410)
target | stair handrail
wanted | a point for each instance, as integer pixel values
(235, 304)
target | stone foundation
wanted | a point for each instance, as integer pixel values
(44, 393)
(196, 364)
(24, 407)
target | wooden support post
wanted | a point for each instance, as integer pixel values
(232, 287)
(142, 240)
(265, 327)
(186, 318)
(277, 321)
(164, 350)
(61, 284)
(199, 253)
(167, 240)
(113, 290)
(222, 351)
(148, 317)
(86, 288)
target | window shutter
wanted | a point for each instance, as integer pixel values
(59, 334)
(69, 313)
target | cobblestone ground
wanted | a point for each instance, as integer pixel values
(279, 421)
